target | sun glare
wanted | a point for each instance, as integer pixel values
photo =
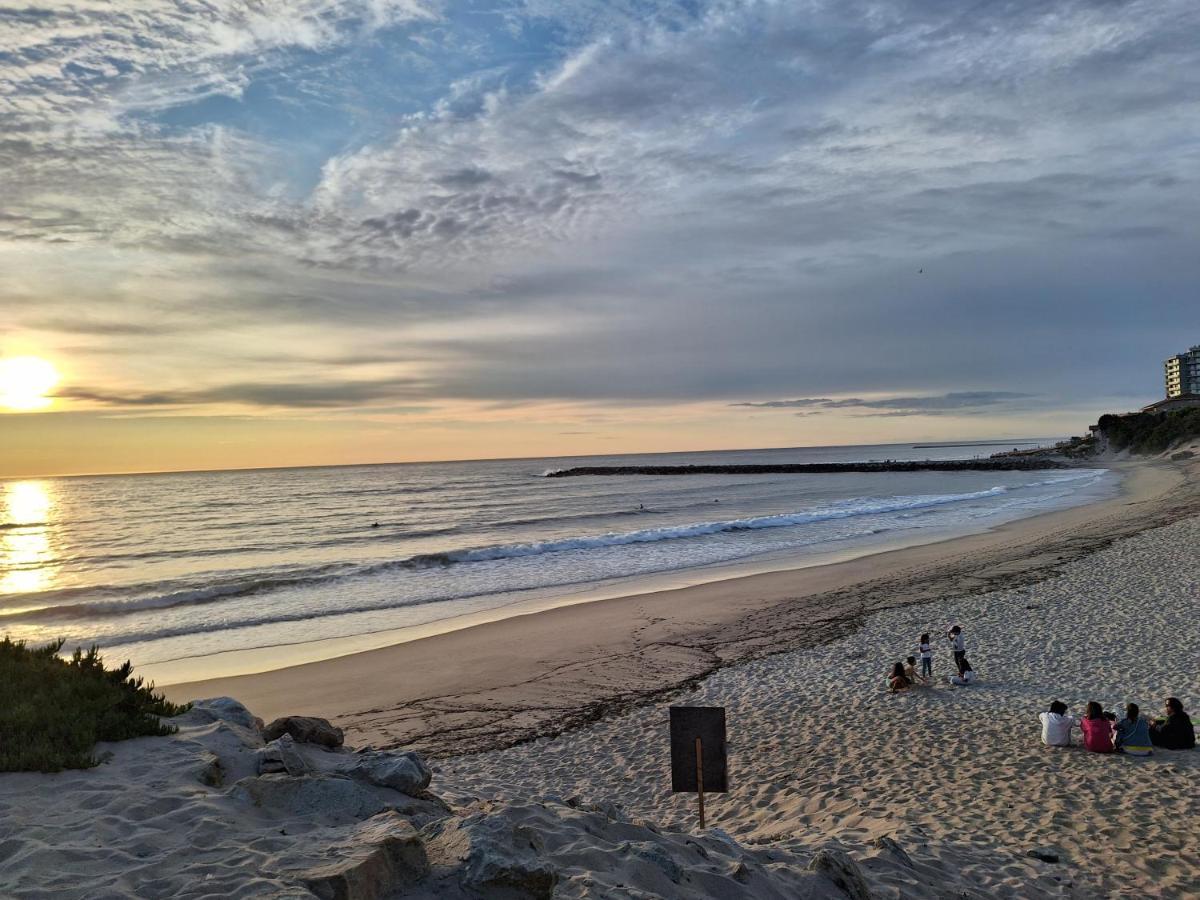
(25, 382)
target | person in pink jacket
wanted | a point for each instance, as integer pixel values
(1097, 728)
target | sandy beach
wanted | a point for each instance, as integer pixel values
(502, 683)
(837, 788)
(957, 776)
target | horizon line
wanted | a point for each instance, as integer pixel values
(425, 462)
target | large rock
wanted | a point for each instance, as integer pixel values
(382, 856)
(838, 867)
(281, 755)
(228, 710)
(306, 730)
(495, 857)
(403, 772)
(328, 799)
(894, 850)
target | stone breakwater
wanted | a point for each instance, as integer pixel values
(999, 464)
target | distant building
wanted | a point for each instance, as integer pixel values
(1183, 374)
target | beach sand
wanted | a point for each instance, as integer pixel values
(956, 775)
(502, 683)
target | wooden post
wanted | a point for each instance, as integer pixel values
(700, 779)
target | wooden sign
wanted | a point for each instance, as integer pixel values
(698, 760)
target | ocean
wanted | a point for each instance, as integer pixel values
(206, 573)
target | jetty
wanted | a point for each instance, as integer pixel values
(996, 464)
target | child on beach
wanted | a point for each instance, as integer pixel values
(1133, 733)
(959, 645)
(897, 680)
(910, 671)
(1057, 725)
(1097, 728)
(925, 649)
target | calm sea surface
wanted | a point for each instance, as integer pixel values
(182, 566)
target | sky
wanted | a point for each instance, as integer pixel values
(293, 232)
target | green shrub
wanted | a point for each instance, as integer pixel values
(54, 710)
(1147, 433)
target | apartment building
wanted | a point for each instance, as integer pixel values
(1183, 374)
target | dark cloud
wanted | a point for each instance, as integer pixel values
(101, 328)
(954, 403)
(305, 395)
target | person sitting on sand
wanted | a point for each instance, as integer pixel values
(910, 671)
(1057, 725)
(1176, 731)
(1133, 733)
(898, 681)
(1097, 728)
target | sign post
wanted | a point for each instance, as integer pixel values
(698, 759)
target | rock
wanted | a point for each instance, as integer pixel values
(229, 710)
(1045, 854)
(210, 771)
(496, 857)
(281, 755)
(657, 856)
(403, 772)
(305, 730)
(838, 867)
(1182, 455)
(384, 855)
(894, 850)
(327, 798)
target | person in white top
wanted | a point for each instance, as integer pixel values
(1057, 725)
(959, 645)
(925, 648)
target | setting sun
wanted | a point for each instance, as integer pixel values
(25, 382)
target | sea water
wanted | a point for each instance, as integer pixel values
(184, 566)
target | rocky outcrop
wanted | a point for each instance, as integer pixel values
(281, 755)
(382, 856)
(493, 855)
(226, 709)
(836, 865)
(305, 730)
(403, 772)
(339, 825)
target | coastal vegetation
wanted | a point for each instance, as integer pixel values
(53, 710)
(1145, 434)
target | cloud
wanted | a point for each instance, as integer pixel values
(323, 395)
(954, 403)
(898, 193)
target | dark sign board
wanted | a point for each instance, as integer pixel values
(708, 724)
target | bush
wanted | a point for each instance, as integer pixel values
(54, 710)
(1147, 433)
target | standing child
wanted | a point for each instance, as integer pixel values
(925, 648)
(959, 644)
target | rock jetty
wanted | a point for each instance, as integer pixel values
(994, 464)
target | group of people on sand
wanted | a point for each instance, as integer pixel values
(1133, 735)
(904, 675)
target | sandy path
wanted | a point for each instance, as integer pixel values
(501, 683)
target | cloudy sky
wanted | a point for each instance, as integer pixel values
(254, 232)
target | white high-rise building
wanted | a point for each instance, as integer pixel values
(1183, 374)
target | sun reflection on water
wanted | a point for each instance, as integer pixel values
(26, 554)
